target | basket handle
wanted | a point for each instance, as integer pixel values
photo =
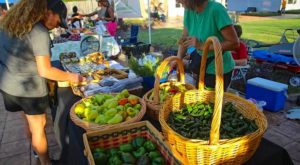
(219, 87)
(160, 70)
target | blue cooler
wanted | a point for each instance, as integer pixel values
(272, 92)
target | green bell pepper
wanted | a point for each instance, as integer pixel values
(126, 147)
(120, 108)
(99, 98)
(149, 145)
(131, 111)
(138, 142)
(118, 118)
(159, 160)
(128, 158)
(127, 105)
(111, 112)
(125, 93)
(99, 149)
(154, 154)
(100, 158)
(137, 106)
(114, 160)
(143, 160)
(113, 151)
(140, 152)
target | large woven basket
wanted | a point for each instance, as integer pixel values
(153, 106)
(214, 150)
(115, 137)
(89, 126)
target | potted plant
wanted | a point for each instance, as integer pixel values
(145, 66)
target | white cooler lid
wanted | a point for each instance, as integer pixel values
(267, 84)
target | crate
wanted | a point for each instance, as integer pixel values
(274, 93)
(124, 134)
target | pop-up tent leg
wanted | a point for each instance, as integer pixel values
(7, 4)
(149, 22)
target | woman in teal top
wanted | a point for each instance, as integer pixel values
(203, 19)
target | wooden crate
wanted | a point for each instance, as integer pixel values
(114, 137)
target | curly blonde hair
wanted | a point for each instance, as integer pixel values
(20, 19)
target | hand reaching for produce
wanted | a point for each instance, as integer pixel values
(100, 18)
(81, 78)
(77, 17)
(76, 78)
(172, 65)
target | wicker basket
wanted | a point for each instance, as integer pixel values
(215, 150)
(89, 126)
(153, 106)
(123, 134)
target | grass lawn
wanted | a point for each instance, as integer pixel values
(264, 31)
(269, 31)
(161, 37)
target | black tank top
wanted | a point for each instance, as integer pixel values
(107, 14)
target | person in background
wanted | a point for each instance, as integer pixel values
(161, 12)
(202, 19)
(105, 13)
(155, 14)
(283, 6)
(2, 12)
(75, 18)
(240, 55)
(25, 64)
(158, 13)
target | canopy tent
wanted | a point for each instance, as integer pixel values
(128, 9)
(132, 9)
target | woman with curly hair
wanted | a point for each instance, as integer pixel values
(25, 64)
(202, 19)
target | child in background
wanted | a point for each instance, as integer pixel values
(240, 55)
(75, 20)
(2, 12)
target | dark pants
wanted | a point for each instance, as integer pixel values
(210, 80)
(66, 133)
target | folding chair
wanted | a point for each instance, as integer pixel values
(133, 39)
(240, 72)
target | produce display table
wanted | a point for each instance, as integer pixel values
(70, 139)
(108, 44)
(72, 143)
